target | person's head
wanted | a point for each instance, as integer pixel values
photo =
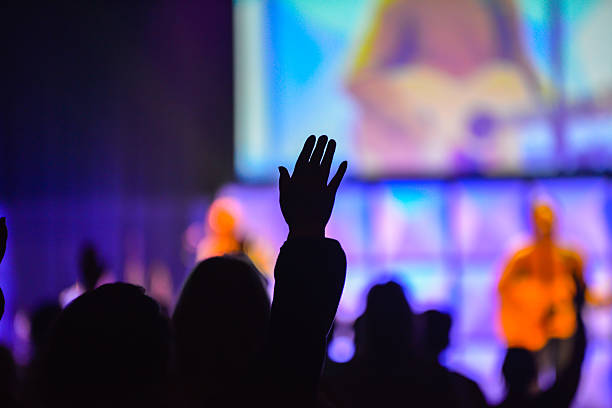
(543, 221)
(386, 324)
(519, 370)
(91, 267)
(109, 347)
(437, 331)
(220, 322)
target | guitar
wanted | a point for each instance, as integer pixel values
(537, 293)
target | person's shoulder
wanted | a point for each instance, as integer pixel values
(570, 254)
(522, 253)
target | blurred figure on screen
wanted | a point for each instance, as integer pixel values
(437, 82)
(537, 291)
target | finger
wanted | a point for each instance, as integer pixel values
(329, 157)
(318, 151)
(335, 182)
(305, 153)
(283, 180)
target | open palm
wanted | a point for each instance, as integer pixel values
(306, 199)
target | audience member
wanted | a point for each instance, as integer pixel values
(229, 346)
(221, 323)
(309, 276)
(446, 388)
(520, 373)
(385, 369)
(91, 271)
(8, 379)
(41, 323)
(109, 347)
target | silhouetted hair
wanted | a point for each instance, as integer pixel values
(91, 267)
(109, 347)
(387, 322)
(221, 323)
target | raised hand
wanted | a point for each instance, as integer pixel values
(306, 199)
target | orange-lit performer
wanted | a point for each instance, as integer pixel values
(537, 291)
(223, 235)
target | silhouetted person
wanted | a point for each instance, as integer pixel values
(8, 379)
(221, 324)
(445, 388)
(110, 347)
(233, 349)
(309, 276)
(520, 373)
(91, 270)
(385, 369)
(91, 267)
(41, 323)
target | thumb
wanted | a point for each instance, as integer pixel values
(283, 180)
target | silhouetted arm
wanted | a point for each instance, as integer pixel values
(309, 277)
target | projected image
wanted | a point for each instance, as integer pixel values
(437, 86)
(413, 88)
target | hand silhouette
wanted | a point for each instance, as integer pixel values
(306, 200)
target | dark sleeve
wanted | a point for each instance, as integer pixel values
(309, 277)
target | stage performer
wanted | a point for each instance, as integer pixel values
(537, 292)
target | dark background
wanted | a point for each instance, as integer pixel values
(135, 95)
(116, 118)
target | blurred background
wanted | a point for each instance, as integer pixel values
(151, 131)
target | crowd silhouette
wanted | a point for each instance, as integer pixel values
(227, 344)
